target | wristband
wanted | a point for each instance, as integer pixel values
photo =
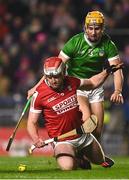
(113, 68)
(117, 90)
(119, 93)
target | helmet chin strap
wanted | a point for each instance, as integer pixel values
(47, 82)
(59, 89)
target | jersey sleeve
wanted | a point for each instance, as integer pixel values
(69, 48)
(112, 51)
(35, 103)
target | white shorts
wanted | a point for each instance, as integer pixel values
(78, 143)
(96, 95)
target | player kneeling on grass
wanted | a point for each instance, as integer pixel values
(56, 98)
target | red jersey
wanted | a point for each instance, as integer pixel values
(60, 109)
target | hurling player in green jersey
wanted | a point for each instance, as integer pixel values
(86, 54)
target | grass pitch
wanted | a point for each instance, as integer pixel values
(46, 168)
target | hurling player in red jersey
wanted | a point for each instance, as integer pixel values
(56, 98)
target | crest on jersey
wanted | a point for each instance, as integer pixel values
(69, 88)
(101, 53)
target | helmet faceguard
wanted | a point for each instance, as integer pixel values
(94, 18)
(54, 66)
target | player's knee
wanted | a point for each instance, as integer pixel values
(67, 166)
(66, 162)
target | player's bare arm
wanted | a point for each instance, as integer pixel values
(117, 97)
(97, 80)
(94, 81)
(33, 128)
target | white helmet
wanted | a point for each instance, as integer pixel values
(53, 66)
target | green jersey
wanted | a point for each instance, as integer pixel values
(86, 59)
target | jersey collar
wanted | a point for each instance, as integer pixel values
(88, 42)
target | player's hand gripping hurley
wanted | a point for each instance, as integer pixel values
(17, 125)
(87, 127)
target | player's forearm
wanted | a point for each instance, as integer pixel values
(32, 127)
(33, 132)
(118, 76)
(118, 81)
(94, 81)
(99, 79)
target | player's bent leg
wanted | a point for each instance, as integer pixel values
(94, 153)
(98, 109)
(65, 156)
(82, 161)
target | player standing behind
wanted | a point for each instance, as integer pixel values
(56, 98)
(86, 55)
